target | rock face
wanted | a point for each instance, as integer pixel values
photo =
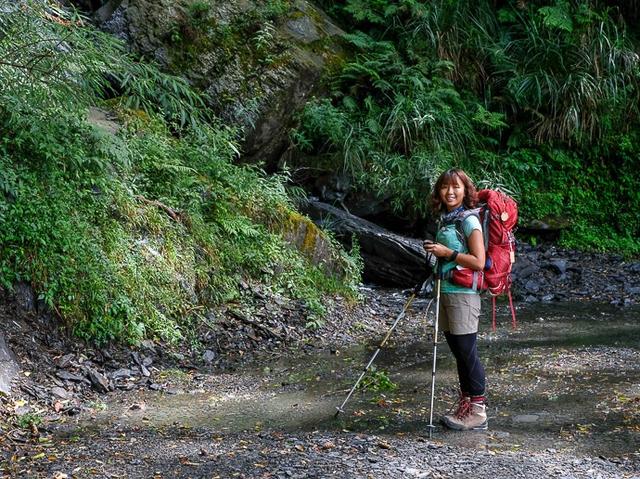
(389, 259)
(257, 61)
(145, 25)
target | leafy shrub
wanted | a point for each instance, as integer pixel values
(539, 98)
(134, 234)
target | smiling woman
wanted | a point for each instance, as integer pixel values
(459, 307)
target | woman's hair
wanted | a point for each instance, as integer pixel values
(470, 193)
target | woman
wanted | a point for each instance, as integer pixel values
(453, 193)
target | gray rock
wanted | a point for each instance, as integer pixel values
(524, 272)
(107, 10)
(61, 393)
(258, 88)
(148, 345)
(102, 120)
(532, 286)
(65, 361)
(559, 265)
(67, 376)
(632, 289)
(145, 372)
(22, 410)
(25, 296)
(98, 380)
(8, 367)
(136, 358)
(303, 29)
(122, 373)
(526, 418)
(209, 356)
(388, 258)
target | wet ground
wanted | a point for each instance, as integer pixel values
(561, 380)
(564, 400)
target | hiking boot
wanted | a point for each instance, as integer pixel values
(470, 416)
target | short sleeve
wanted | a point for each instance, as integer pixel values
(470, 224)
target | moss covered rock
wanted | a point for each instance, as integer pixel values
(258, 61)
(315, 244)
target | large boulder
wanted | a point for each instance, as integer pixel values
(258, 61)
(313, 243)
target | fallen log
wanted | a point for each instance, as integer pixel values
(389, 259)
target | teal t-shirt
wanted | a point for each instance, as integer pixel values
(448, 236)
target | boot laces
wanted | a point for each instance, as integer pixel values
(459, 405)
(464, 409)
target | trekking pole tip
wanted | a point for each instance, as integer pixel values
(338, 411)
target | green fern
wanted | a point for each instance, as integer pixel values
(557, 16)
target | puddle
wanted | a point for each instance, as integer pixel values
(568, 379)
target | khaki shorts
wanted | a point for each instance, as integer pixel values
(459, 313)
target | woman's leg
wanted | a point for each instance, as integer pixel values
(460, 363)
(462, 313)
(470, 370)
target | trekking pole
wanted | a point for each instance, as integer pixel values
(435, 348)
(398, 318)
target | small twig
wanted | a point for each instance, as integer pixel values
(173, 214)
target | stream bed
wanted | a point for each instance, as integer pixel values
(563, 392)
(567, 378)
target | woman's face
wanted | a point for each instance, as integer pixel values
(452, 193)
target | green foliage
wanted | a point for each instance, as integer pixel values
(377, 381)
(375, 12)
(572, 80)
(557, 16)
(538, 98)
(271, 10)
(134, 234)
(568, 189)
(198, 34)
(51, 65)
(390, 126)
(145, 87)
(29, 420)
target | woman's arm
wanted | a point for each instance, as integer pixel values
(475, 259)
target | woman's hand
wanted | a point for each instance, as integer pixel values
(474, 259)
(437, 249)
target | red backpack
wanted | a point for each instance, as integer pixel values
(498, 214)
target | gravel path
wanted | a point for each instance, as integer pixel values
(176, 453)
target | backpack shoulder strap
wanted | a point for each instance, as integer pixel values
(478, 213)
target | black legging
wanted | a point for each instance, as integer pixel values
(470, 370)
